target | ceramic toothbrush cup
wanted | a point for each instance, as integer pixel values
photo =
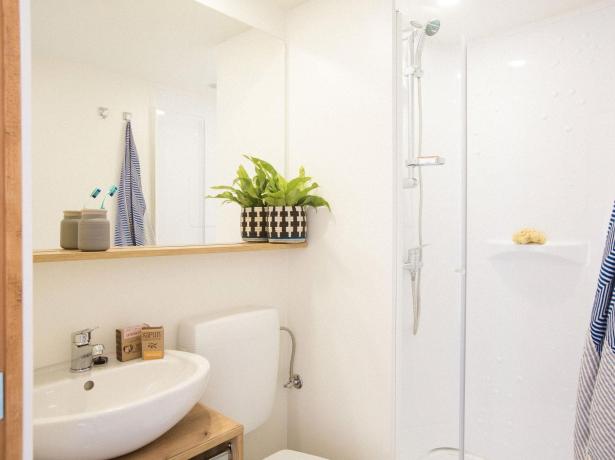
(69, 230)
(94, 230)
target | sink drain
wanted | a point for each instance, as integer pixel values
(87, 386)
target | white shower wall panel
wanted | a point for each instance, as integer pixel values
(541, 153)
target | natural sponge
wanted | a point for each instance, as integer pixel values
(529, 236)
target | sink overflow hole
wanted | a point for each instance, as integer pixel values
(87, 386)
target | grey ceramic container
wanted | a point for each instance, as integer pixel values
(287, 224)
(254, 224)
(69, 230)
(94, 230)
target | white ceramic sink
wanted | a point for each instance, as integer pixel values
(130, 405)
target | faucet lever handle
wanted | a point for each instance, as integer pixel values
(82, 337)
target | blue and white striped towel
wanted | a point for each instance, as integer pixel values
(129, 226)
(595, 423)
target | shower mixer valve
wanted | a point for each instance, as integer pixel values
(410, 182)
(413, 71)
(413, 263)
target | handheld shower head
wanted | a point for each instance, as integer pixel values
(421, 31)
(432, 27)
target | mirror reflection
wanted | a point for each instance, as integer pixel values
(159, 98)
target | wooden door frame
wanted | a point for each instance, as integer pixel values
(11, 341)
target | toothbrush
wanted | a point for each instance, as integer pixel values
(93, 194)
(112, 190)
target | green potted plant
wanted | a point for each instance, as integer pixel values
(247, 192)
(272, 208)
(287, 201)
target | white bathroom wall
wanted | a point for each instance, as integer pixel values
(340, 62)
(251, 112)
(162, 290)
(541, 141)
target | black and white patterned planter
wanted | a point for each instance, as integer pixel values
(287, 224)
(254, 224)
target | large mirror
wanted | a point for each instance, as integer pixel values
(197, 88)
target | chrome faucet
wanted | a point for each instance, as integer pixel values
(83, 354)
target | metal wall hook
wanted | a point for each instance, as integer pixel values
(294, 380)
(103, 112)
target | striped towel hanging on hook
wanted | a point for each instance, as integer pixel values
(595, 422)
(129, 226)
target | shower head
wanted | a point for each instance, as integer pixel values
(421, 31)
(432, 27)
(429, 29)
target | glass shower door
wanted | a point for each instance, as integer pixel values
(430, 124)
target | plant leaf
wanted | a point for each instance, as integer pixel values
(314, 201)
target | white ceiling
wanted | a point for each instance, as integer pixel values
(169, 42)
(480, 18)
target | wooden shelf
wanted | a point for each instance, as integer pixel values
(202, 430)
(63, 255)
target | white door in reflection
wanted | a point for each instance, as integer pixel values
(180, 163)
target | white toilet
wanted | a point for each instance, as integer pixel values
(243, 351)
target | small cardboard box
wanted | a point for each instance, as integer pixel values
(152, 342)
(128, 342)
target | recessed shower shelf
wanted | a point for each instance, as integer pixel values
(63, 255)
(572, 251)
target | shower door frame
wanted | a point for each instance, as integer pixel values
(398, 253)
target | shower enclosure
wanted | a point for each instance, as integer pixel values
(490, 334)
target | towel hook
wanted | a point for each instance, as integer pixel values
(294, 380)
(103, 112)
